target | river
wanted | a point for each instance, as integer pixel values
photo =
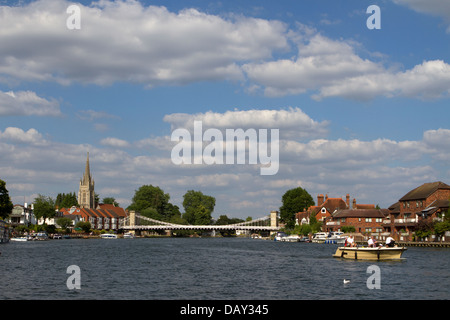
(213, 268)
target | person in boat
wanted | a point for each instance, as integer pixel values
(370, 242)
(390, 242)
(351, 242)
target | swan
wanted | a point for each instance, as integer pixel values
(346, 281)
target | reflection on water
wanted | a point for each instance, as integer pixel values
(213, 268)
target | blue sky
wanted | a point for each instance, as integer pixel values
(360, 111)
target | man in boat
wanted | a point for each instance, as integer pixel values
(371, 243)
(351, 242)
(390, 242)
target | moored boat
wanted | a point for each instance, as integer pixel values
(20, 239)
(128, 235)
(108, 236)
(365, 253)
(320, 237)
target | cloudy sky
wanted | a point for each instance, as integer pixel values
(359, 111)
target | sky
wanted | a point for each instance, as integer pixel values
(360, 111)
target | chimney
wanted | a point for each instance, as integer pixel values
(347, 201)
(319, 200)
(354, 203)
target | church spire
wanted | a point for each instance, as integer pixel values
(87, 172)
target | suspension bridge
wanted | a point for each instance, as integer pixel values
(137, 222)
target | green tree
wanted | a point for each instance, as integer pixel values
(293, 201)
(44, 207)
(198, 207)
(66, 200)
(148, 196)
(65, 223)
(316, 226)
(6, 205)
(84, 225)
(110, 200)
(223, 219)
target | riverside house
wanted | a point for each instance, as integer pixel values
(428, 202)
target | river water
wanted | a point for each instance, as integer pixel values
(213, 268)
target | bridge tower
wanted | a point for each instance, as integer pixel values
(132, 218)
(274, 218)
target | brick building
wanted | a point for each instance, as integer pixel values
(429, 201)
(365, 221)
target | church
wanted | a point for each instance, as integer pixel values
(86, 194)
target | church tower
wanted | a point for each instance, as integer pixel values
(86, 195)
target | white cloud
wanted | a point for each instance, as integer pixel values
(332, 68)
(17, 135)
(320, 62)
(429, 80)
(27, 103)
(291, 122)
(126, 41)
(114, 142)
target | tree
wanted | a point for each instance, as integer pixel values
(6, 205)
(44, 207)
(198, 207)
(316, 226)
(110, 200)
(85, 226)
(293, 201)
(65, 223)
(148, 196)
(66, 200)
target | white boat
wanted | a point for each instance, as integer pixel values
(20, 239)
(41, 236)
(335, 237)
(128, 235)
(320, 237)
(108, 236)
(280, 236)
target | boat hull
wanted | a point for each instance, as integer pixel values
(381, 253)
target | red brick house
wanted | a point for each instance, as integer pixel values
(325, 207)
(365, 221)
(429, 201)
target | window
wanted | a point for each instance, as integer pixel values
(368, 219)
(378, 219)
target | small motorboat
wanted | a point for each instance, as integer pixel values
(320, 237)
(20, 239)
(366, 253)
(108, 236)
(128, 235)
